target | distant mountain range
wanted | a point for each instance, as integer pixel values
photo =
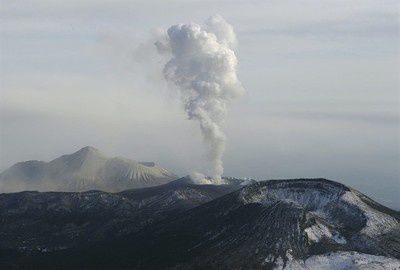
(87, 169)
(276, 224)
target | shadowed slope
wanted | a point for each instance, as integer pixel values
(263, 225)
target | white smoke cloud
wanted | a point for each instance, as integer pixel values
(200, 179)
(203, 66)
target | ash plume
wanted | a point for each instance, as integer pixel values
(202, 65)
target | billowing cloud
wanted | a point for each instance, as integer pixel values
(203, 66)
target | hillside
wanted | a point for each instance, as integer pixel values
(86, 169)
(276, 224)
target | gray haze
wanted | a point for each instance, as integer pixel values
(321, 78)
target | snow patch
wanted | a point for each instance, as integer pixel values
(377, 222)
(341, 260)
(318, 231)
(312, 199)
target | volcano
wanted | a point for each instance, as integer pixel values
(86, 169)
(274, 224)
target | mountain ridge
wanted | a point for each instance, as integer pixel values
(86, 169)
(278, 224)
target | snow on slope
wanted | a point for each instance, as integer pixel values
(377, 222)
(318, 231)
(282, 224)
(341, 260)
(323, 199)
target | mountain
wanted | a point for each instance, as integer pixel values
(34, 221)
(276, 224)
(87, 169)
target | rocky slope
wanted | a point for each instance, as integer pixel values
(36, 222)
(87, 169)
(281, 224)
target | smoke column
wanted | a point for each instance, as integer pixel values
(203, 67)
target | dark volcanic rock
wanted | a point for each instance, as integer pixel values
(268, 224)
(35, 221)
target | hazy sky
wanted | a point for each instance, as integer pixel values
(322, 82)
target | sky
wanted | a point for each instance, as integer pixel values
(321, 77)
